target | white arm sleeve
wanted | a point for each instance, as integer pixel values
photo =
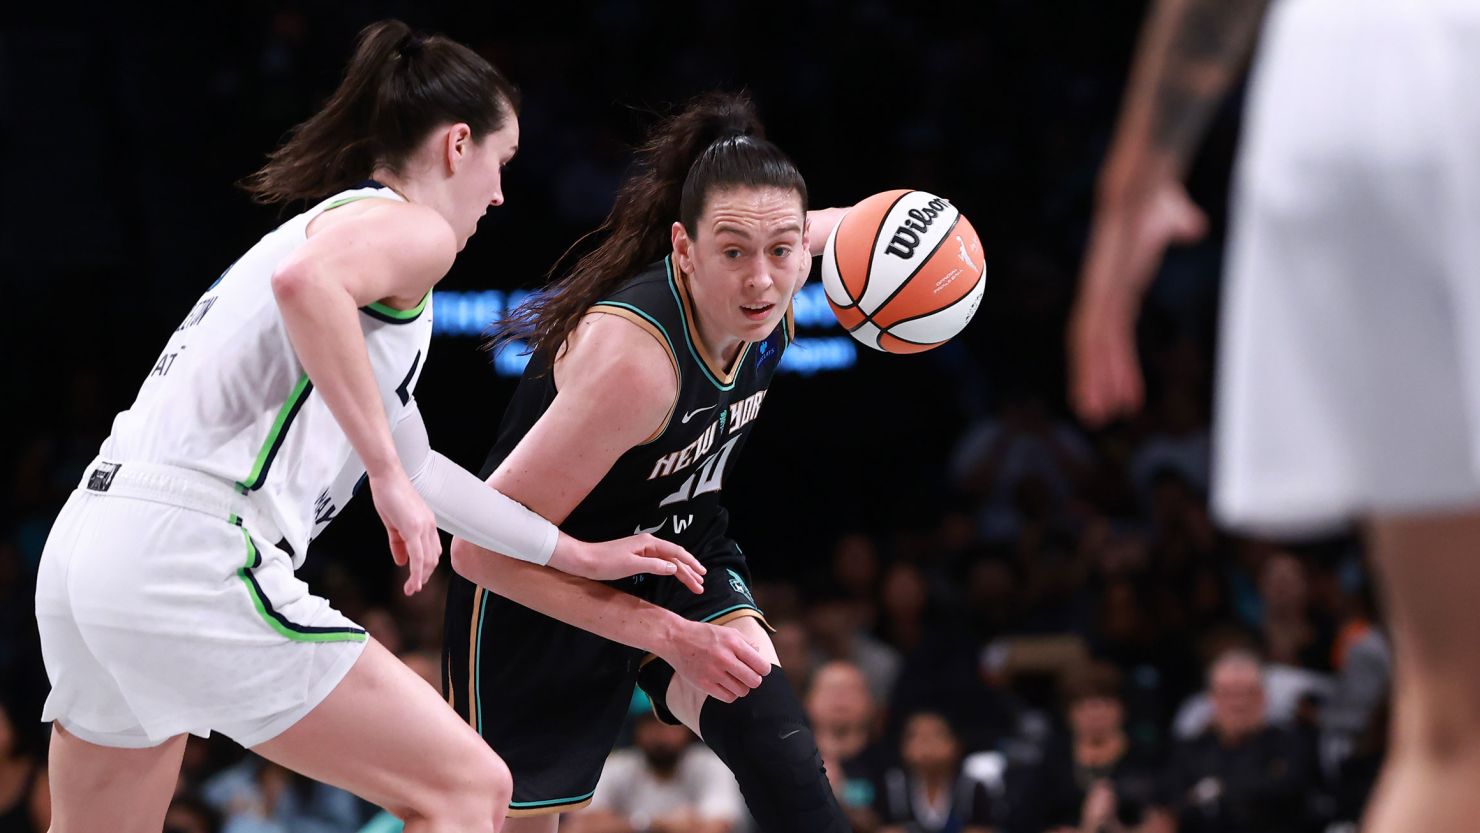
(466, 506)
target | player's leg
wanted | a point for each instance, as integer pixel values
(766, 742)
(385, 735)
(1431, 581)
(108, 788)
(532, 824)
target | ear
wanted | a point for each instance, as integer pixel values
(683, 248)
(458, 142)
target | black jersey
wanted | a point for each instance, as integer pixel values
(670, 484)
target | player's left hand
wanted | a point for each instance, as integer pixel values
(644, 553)
(1132, 229)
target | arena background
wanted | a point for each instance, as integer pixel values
(122, 133)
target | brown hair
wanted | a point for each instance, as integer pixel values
(1092, 681)
(715, 142)
(397, 88)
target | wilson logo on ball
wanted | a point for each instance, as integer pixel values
(904, 271)
(907, 236)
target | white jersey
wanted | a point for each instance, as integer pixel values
(229, 398)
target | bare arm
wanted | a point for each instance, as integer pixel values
(380, 250)
(1190, 53)
(616, 386)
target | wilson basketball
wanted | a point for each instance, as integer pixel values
(904, 271)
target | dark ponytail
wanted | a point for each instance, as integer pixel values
(715, 142)
(397, 88)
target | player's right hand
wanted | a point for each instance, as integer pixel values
(1133, 226)
(410, 524)
(719, 661)
(644, 553)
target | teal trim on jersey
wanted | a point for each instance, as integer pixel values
(732, 610)
(275, 435)
(274, 619)
(530, 805)
(478, 663)
(651, 320)
(391, 315)
(684, 317)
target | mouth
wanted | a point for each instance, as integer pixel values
(756, 312)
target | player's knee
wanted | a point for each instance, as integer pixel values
(474, 793)
(1441, 734)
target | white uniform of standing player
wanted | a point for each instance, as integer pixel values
(166, 598)
(1350, 375)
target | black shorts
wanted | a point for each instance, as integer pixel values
(551, 698)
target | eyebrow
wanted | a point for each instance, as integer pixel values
(724, 228)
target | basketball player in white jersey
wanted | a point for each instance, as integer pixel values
(166, 599)
(1349, 374)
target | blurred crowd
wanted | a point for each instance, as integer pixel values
(997, 620)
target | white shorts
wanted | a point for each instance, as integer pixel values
(163, 609)
(1349, 377)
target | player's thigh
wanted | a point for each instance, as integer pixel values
(108, 788)
(532, 824)
(685, 700)
(387, 736)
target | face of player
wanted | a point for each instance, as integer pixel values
(745, 261)
(477, 181)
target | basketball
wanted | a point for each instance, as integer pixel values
(904, 271)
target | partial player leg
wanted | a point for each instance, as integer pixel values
(105, 788)
(533, 824)
(1431, 581)
(764, 739)
(385, 735)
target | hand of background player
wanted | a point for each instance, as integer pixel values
(1133, 226)
(719, 661)
(410, 524)
(645, 553)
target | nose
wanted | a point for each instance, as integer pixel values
(760, 275)
(497, 199)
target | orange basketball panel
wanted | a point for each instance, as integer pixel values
(857, 233)
(899, 345)
(849, 317)
(949, 275)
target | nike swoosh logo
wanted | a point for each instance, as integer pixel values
(690, 415)
(789, 734)
(640, 529)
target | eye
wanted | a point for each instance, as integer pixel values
(781, 251)
(732, 254)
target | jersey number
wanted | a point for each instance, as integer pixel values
(707, 478)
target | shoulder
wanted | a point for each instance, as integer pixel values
(400, 234)
(613, 352)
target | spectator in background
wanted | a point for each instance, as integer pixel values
(25, 802)
(1243, 774)
(845, 721)
(1290, 635)
(1023, 451)
(832, 623)
(929, 793)
(258, 796)
(904, 597)
(1096, 781)
(665, 784)
(191, 815)
(856, 568)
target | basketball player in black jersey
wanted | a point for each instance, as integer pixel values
(651, 361)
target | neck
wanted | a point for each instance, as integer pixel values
(720, 347)
(409, 189)
(1100, 750)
